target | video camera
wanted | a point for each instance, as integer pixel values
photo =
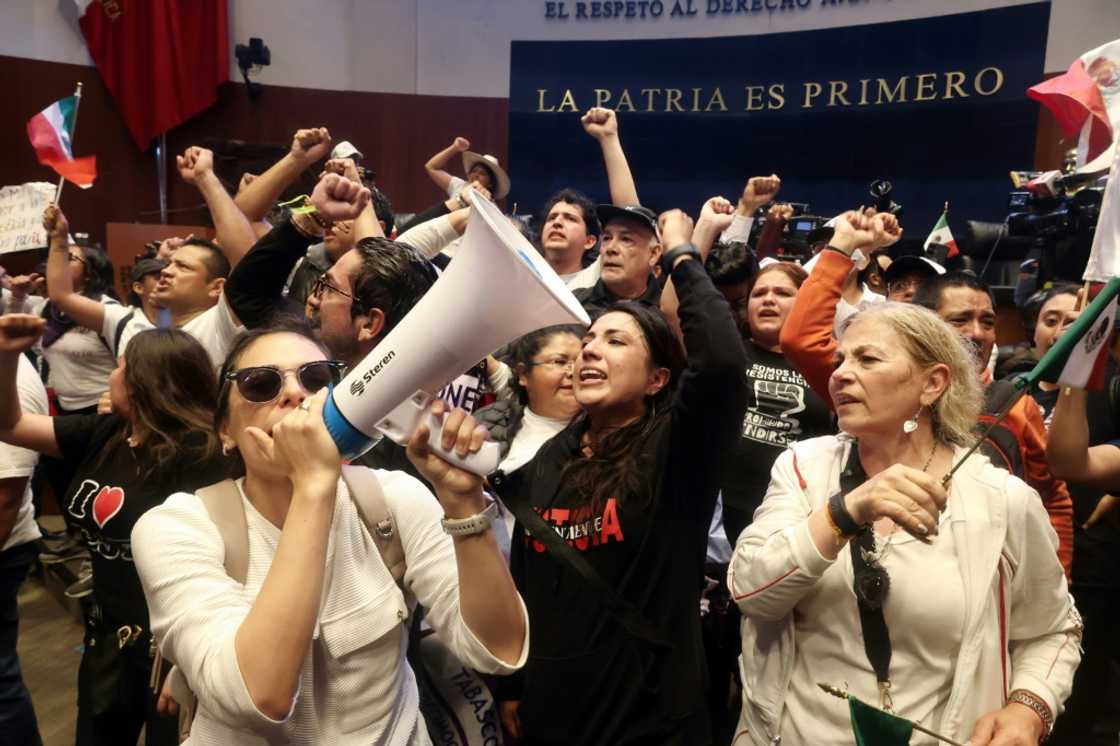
(1051, 221)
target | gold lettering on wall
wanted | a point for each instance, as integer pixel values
(716, 101)
(754, 97)
(898, 92)
(997, 81)
(568, 103)
(925, 90)
(812, 90)
(540, 101)
(836, 90)
(624, 101)
(953, 80)
(777, 93)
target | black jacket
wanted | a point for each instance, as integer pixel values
(255, 287)
(586, 680)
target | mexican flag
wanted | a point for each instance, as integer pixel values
(50, 132)
(942, 235)
(874, 727)
(1080, 355)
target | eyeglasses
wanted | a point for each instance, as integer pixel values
(904, 285)
(322, 283)
(262, 384)
(556, 363)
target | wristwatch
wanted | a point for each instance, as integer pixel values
(841, 520)
(462, 202)
(685, 249)
(474, 524)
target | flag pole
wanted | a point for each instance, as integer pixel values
(836, 692)
(998, 418)
(73, 133)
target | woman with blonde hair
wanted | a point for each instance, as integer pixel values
(951, 608)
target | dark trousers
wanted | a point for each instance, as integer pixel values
(130, 705)
(18, 726)
(1091, 703)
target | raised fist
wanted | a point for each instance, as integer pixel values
(760, 190)
(675, 227)
(18, 331)
(23, 285)
(343, 167)
(311, 145)
(781, 211)
(718, 213)
(851, 231)
(600, 123)
(461, 144)
(338, 198)
(885, 230)
(55, 223)
(194, 163)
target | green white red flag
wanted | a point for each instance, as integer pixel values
(942, 235)
(51, 133)
(1080, 355)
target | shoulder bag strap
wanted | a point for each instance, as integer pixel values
(223, 503)
(369, 498)
(624, 612)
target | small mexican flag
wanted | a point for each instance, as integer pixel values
(1080, 355)
(942, 235)
(50, 132)
(874, 727)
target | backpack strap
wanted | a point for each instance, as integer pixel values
(223, 503)
(369, 499)
(119, 332)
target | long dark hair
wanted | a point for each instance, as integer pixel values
(283, 324)
(172, 393)
(618, 467)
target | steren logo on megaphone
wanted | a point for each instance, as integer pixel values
(358, 387)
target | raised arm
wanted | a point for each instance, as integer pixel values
(436, 163)
(716, 216)
(18, 428)
(1067, 446)
(602, 124)
(235, 234)
(60, 283)
(255, 286)
(756, 192)
(261, 193)
(806, 338)
(366, 224)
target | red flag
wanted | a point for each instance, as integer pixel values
(161, 59)
(1085, 93)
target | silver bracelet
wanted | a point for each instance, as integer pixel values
(474, 524)
(1037, 705)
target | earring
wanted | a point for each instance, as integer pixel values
(912, 424)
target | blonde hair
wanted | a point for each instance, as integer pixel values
(930, 341)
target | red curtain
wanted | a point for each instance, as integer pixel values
(161, 59)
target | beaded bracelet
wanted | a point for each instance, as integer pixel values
(1037, 705)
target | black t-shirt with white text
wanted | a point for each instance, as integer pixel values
(108, 494)
(781, 409)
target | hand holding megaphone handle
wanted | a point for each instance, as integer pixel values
(400, 423)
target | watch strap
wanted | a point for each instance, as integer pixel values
(475, 524)
(671, 256)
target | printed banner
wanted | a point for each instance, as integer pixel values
(21, 216)
(937, 106)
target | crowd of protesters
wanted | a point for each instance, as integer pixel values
(749, 475)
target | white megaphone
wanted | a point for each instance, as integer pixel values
(497, 288)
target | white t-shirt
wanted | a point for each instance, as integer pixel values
(924, 645)
(455, 186)
(80, 364)
(214, 328)
(585, 278)
(20, 462)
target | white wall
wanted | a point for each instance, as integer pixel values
(461, 47)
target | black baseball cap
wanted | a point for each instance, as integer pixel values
(912, 265)
(636, 213)
(146, 267)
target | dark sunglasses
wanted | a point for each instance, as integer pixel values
(262, 384)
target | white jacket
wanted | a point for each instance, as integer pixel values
(1021, 629)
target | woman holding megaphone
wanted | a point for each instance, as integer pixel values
(613, 515)
(308, 648)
